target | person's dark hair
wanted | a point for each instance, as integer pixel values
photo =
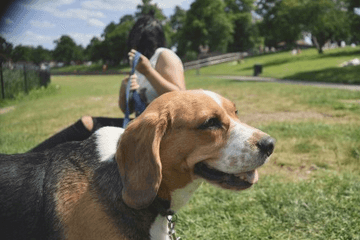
(146, 36)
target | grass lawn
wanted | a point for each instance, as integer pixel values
(309, 66)
(83, 68)
(310, 189)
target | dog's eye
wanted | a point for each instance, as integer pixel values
(236, 112)
(211, 123)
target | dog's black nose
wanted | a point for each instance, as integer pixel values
(266, 145)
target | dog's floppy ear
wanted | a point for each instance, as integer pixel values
(138, 158)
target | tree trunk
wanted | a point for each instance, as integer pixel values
(318, 47)
(320, 50)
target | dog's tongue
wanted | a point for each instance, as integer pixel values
(251, 176)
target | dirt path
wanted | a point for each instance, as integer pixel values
(316, 84)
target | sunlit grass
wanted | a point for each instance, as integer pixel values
(309, 66)
(308, 190)
(84, 68)
(323, 207)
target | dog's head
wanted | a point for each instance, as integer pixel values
(183, 136)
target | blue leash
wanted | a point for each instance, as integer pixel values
(139, 105)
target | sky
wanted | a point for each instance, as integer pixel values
(41, 22)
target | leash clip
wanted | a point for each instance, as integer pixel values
(171, 226)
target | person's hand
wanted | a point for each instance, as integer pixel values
(133, 82)
(143, 65)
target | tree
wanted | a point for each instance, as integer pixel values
(177, 20)
(113, 48)
(127, 18)
(79, 53)
(21, 53)
(94, 51)
(280, 21)
(239, 6)
(39, 55)
(5, 49)
(109, 28)
(116, 42)
(354, 19)
(66, 50)
(175, 25)
(245, 34)
(206, 24)
(285, 20)
(149, 8)
(326, 20)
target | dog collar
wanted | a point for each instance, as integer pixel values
(162, 207)
(171, 227)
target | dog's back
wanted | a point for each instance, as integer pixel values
(21, 195)
(39, 190)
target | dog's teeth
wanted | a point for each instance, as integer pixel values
(251, 176)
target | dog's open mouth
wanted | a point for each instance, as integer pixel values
(238, 181)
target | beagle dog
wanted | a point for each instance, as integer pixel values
(119, 184)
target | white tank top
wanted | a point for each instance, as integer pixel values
(146, 90)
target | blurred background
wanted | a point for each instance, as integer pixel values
(70, 32)
(311, 187)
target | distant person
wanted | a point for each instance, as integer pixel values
(159, 71)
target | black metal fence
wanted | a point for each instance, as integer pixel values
(21, 77)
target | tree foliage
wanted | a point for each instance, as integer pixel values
(94, 51)
(239, 6)
(285, 20)
(66, 50)
(279, 22)
(127, 18)
(5, 49)
(149, 8)
(206, 23)
(116, 42)
(176, 23)
(21, 53)
(354, 19)
(112, 48)
(223, 25)
(245, 32)
(177, 20)
(327, 20)
(39, 55)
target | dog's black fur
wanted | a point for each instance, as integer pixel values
(28, 185)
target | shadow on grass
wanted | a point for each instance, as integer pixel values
(297, 58)
(269, 64)
(349, 75)
(83, 68)
(340, 54)
(285, 60)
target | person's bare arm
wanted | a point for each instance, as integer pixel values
(122, 93)
(168, 74)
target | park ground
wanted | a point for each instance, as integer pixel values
(310, 189)
(309, 66)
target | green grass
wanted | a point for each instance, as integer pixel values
(83, 68)
(310, 189)
(309, 66)
(325, 207)
(64, 102)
